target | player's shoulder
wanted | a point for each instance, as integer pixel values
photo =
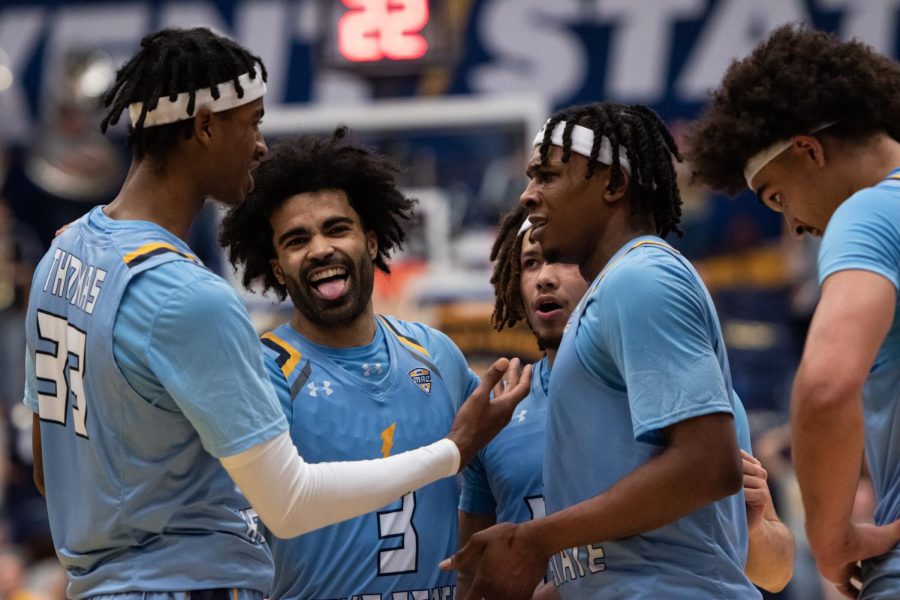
(281, 347)
(421, 337)
(648, 268)
(877, 204)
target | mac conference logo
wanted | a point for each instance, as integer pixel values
(422, 378)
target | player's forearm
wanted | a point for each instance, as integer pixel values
(293, 497)
(827, 441)
(770, 558)
(688, 479)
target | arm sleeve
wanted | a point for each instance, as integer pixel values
(653, 324)
(293, 497)
(204, 351)
(476, 496)
(863, 234)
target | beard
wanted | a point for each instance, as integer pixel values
(360, 282)
(548, 340)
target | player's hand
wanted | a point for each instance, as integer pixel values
(546, 591)
(507, 565)
(62, 229)
(756, 490)
(481, 417)
(863, 541)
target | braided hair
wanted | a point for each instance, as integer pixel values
(506, 278)
(650, 147)
(170, 62)
(307, 164)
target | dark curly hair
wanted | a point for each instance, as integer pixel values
(506, 254)
(651, 150)
(170, 62)
(793, 83)
(305, 164)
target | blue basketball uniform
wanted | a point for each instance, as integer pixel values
(643, 350)
(395, 394)
(864, 234)
(137, 498)
(505, 478)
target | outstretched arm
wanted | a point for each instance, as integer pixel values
(293, 497)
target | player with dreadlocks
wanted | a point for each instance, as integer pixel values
(325, 214)
(144, 372)
(642, 468)
(812, 126)
(504, 482)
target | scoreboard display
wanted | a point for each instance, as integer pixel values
(389, 37)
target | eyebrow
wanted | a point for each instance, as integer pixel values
(329, 222)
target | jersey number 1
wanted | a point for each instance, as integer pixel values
(65, 369)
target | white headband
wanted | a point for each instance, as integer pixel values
(759, 160)
(168, 111)
(583, 142)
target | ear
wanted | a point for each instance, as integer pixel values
(809, 148)
(613, 195)
(276, 270)
(372, 244)
(203, 125)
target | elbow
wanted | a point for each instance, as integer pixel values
(819, 394)
(824, 399)
(719, 479)
(285, 530)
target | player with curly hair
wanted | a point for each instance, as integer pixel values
(325, 213)
(811, 125)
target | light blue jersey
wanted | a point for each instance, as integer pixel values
(642, 351)
(137, 500)
(864, 233)
(395, 394)
(505, 478)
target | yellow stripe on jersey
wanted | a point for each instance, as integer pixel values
(387, 440)
(405, 340)
(153, 248)
(289, 357)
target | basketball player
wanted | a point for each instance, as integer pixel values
(354, 385)
(642, 470)
(809, 123)
(504, 482)
(145, 375)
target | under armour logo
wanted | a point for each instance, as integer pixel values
(521, 415)
(252, 520)
(315, 389)
(369, 369)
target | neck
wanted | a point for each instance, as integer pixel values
(354, 333)
(551, 355)
(621, 228)
(870, 164)
(166, 196)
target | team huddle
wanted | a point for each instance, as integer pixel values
(182, 455)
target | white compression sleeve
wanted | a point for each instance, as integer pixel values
(293, 497)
